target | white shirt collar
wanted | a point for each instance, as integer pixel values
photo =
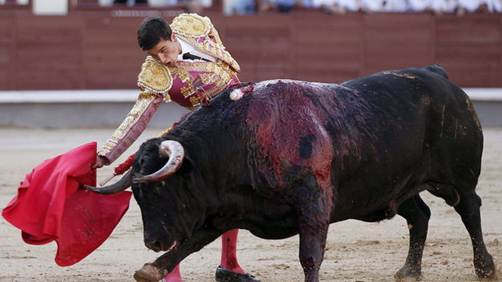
(185, 47)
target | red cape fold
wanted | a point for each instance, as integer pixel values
(50, 206)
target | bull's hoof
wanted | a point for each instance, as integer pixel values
(224, 275)
(407, 273)
(148, 273)
(485, 268)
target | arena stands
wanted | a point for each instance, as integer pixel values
(246, 7)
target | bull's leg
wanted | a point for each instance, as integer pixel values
(312, 244)
(468, 209)
(153, 272)
(417, 215)
(313, 222)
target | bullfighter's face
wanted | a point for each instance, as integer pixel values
(166, 51)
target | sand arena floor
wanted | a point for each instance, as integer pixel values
(356, 251)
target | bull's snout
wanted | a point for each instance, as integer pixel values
(157, 245)
(154, 245)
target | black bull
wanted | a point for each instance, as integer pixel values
(291, 157)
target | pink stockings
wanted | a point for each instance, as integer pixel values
(228, 257)
(229, 251)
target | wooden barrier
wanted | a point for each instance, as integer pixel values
(97, 49)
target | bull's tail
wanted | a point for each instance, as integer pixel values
(437, 69)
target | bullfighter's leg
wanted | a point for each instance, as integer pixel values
(229, 251)
(229, 269)
(417, 215)
(173, 276)
(468, 209)
(313, 221)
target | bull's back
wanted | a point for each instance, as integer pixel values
(421, 95)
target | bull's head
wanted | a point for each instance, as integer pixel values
(157, 188)
(159, 180)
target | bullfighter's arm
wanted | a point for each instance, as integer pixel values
(132, 126)
(154, 80)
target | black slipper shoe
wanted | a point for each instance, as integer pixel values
(224, 275)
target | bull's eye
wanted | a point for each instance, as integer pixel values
(158, 188)
(140, 196)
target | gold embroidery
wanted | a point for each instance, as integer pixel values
(167, 98)
(165, 131)
(210, 80)
(187, 90)
(183, 74)
(213, 33)
(142, 103)
(217, 51)
(194, 100)
(154, 77)
(221, 69)
(190, 25)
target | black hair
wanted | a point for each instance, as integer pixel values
(151, 31)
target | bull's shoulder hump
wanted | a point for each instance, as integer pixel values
(437, 69)
(274, 82)
(430, 71)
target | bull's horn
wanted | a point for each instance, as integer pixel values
(169, 148)
(118, 186)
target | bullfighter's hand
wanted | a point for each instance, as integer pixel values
(100, 162)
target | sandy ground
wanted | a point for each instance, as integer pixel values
(356, 251)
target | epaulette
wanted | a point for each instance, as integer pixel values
(191, 25)
(154, 77)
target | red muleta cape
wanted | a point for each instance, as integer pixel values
(50, 206)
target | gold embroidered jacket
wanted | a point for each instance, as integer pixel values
(189, 83)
